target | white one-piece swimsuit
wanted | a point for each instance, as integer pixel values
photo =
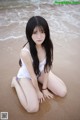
(23, 71)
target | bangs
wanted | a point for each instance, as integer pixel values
(41, 29)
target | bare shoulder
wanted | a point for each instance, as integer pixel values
(25, 55)
(25, 50)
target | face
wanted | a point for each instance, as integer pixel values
(38, 35)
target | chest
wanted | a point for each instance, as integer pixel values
(41, 55)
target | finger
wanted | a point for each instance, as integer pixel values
(39, 100)
(51, 96)
(48, 97)
(43, 99)
(45, 96)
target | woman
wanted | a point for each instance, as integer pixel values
(36, 59)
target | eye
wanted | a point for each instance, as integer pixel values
(34, 32)
(42, 31)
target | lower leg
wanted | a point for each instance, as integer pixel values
(31, 95)
(26, 94)
(20, 93)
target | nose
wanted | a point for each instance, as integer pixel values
(39, 35)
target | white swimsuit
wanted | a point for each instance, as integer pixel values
(23, 71)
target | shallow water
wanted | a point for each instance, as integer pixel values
(62, 19)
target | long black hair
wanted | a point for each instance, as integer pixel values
(38, 21)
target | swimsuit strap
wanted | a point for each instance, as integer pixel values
(26, 49)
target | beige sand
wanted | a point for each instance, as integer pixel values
(66, 66)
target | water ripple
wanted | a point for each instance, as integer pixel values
(62, 19)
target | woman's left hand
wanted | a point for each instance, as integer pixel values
(47, 94)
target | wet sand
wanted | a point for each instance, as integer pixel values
(66, 66)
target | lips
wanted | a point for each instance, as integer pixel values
(39, 40)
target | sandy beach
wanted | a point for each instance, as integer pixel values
(66, 40)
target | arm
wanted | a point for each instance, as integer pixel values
(45, 91)
(28, 62)
(45, 81)
(46, 77)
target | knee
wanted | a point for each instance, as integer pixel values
(63, 92)
(32, 109)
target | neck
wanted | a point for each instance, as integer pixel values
(38, 46)
(39, 49)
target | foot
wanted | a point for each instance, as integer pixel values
(13, 82)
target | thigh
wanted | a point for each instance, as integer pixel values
(56, 85)
(30, 93)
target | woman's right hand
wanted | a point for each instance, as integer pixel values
(40, 96)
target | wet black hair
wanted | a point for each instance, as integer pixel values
(38, 21)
